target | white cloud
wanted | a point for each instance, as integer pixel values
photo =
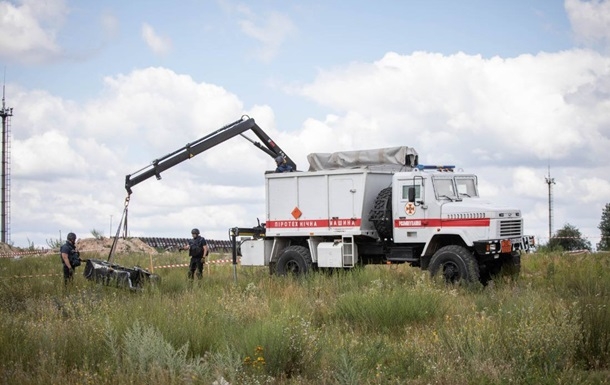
(496, 107)
(594, 189)
(158, 44)
(49, 155)
(590, 20)
(528, 182)
(167, 107)
(45, 112)
(28, 31)
(270, 30)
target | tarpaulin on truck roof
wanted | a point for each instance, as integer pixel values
(382, 157)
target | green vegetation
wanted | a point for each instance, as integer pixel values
(568, 238)
(373, 325)
(97, 234)
(604, 227)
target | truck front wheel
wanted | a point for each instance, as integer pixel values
(512, 265)
(294, 260)
(455, 263)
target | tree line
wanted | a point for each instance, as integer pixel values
(569, 238)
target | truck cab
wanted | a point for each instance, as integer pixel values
(435, 207)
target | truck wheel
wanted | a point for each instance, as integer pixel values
(294, 260)
(512, 265)
(381, 214)
(508, 266)
(455, 263)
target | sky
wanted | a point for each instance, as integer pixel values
(504, 89)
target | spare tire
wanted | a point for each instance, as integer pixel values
(381, 214)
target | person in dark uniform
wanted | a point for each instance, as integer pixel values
(198, 250)
(282, 166)
(70, 257)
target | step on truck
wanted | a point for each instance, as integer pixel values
(382, 207)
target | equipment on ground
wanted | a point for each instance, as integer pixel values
(111, 274)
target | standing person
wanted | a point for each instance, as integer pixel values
(70, 257)
(198, 249)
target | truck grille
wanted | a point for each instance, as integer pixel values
(511, 228)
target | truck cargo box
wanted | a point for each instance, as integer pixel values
(323, 202)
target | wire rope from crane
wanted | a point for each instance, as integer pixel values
(122, 223)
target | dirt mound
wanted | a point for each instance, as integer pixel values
(103, 245)
(6, 248)
(92, 245)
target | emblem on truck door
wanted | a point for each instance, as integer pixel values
(410, 208)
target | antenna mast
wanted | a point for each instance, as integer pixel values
(5, 113)
(550, 181)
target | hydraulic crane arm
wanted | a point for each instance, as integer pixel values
(238, 127)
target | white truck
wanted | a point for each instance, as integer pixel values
(380, 207)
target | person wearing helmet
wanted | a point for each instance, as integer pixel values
(282, 166)
(70, 257)
(198, 250)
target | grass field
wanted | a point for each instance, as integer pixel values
(373, 325)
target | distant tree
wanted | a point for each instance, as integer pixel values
(604, 227)
(31, 245)
(569, 238)
(54, 243)
(97, 234)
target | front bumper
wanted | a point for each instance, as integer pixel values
(525, 243)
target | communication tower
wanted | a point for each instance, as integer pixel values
(550, 181)
(6, 114)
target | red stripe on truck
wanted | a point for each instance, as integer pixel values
(475, 222)
(313, 223)
(356, 222)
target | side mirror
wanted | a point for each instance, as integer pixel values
(411, 194)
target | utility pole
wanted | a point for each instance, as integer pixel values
(550, 181)
(5, 113)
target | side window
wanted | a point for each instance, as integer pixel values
(405, 191)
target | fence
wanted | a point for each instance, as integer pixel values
(215, 246)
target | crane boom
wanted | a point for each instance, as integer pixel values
(221, 135)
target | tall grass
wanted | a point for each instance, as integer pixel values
(373, 325)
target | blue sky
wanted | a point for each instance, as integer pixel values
(100, 89)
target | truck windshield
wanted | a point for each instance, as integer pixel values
(467, 186)
(444, 188)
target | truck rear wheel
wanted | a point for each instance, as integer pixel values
(455, 263)
(294, 260)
